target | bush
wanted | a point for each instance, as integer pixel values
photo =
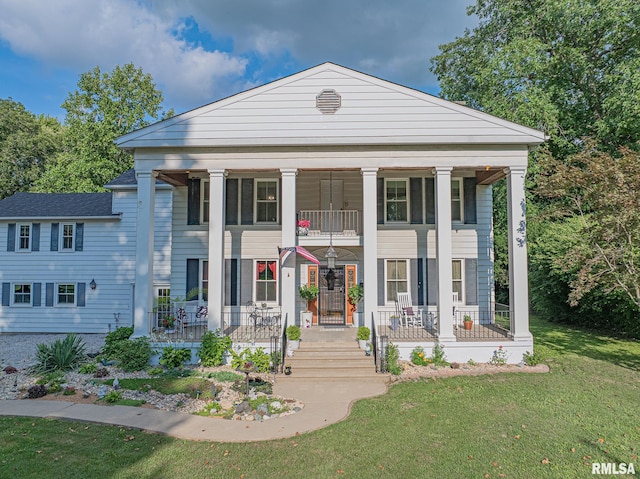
(61, 355)
(293, 332)
(134, 354)
(174, 358)
(37, 391)
(531, 359)
(112, 341)
(418, 357)
(392, 356)
(438, 358)
(213, 348)
(363, 333)
(261, 361)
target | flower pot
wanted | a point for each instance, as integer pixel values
(362, 343)
(170, 330)
(303, 231)
(306, 319)
(294, 343)
(468, 325)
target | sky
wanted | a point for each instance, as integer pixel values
(199, 51)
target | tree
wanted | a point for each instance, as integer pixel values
(105, 106)
(27, 143)
(572, 69)
(601, 194)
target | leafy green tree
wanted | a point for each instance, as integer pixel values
(572, 69)
(105, 106)
(27, 143)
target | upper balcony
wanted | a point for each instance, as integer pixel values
(343, 227)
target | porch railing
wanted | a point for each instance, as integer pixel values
(244, 327)
(338, 222)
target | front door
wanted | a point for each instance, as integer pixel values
(331, 303)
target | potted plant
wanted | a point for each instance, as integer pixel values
(363, 335)
(293, 336)
(468, 322)
(303, 227)
(169, 323)
(307, 293)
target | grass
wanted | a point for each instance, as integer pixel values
(513, 425)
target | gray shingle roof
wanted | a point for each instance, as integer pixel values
(56, 205)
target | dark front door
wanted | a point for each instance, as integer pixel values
(331, 303)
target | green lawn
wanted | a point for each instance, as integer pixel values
(513, 426)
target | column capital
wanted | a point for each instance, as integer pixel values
(515, 170)
(440, 170)
(289, 171)
(146, 174)
(217, 172)
(369, 171)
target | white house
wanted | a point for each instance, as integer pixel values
(396, 182)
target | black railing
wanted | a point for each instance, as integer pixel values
(283, 338)
(384, 344)
(245, 327)
(374, 342)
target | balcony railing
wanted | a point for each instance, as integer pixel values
(337, 223)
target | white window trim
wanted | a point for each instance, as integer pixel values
(460, 182)
(204, 198)
(255, 281)
(461, 296)
(18, 237)
(408, 210)
(255, 201)
(392, 301)
(73, 238)
(13, 296)
(161, 311)
(56, 293)
(204, 266)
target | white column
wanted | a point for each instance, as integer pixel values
(518, 272)
(443, 253)
(143, 296)
(370, 243)
(215, 292)
(288, 290)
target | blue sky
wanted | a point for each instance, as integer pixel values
(199, 51)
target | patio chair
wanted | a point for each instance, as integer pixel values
(410, 315)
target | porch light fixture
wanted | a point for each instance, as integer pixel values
(331, 254)
(93, 284)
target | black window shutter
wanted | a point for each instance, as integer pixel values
(430, 200)
(79, 236)
(80, 299)
(11, 237)
(432, 282)
(380, 199)
(470, 216)
(471, 280)
(246, 280)
(420, 268)
(54, 236)
(193, 274)
(35, 237)
(247, 201)
(234, 282)
(382, 283)
(48, 299)
(415, 198)
(193, 202)
(413, 267)
(6, 294)
(231, 192)
(37, 294)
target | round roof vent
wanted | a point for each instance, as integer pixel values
(328, 102)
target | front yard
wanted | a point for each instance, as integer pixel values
(510, 425)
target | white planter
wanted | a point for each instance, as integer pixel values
(293, 343)
(362, 343)
(306, 319)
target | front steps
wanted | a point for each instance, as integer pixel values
(330, 355)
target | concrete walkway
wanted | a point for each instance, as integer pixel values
(326, 402)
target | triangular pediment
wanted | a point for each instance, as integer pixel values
(330, 105)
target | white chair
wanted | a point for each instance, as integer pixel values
(410, 315)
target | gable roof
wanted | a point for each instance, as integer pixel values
(371, 112)
(57, 205)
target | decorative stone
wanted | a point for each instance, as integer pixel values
(275, 405)
(243, 407)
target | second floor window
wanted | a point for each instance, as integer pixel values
(67, 236)
(266, 201)
(24, 238)
(396, 200)
(204, 199)
(456, 199)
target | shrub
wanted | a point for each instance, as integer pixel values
(37, 391)
(363, 333)
(113, 397)
(261, 361)
(293, 332)
(174, 358)
(438, 357)
(134, 354)
(61, 355)
(392, 356)
(213, 348)
(418, 357)
(531, 359)
(112, 341)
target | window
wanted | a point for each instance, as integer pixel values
(67, 294)
(163, 302)
(266, 281)
(266, 201)
(456, 269)
(22, 293)
(397, 278)
(396, 200)
(204, 283)
(456, 199)
(204, 202)
(24, 237)
(68, 232)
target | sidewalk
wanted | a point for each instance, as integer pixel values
(326, 402)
